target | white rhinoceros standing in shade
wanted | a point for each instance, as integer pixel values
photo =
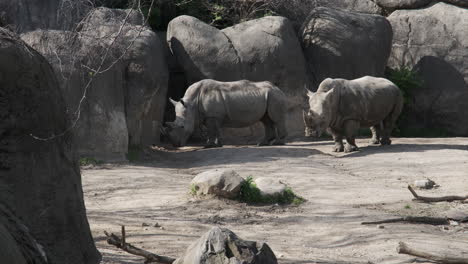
(236, 104)
(343, 106)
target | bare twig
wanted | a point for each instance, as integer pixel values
(404, 249)
(412, 219)
(115, 240)
(436, 199)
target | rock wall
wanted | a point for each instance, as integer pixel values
(40, 179)
(124, 104)
(440, 56)
(344, 44)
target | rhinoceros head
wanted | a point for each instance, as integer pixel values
(182, 128)
(317, 118)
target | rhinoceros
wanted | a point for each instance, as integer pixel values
(216, 104)
(343, 106)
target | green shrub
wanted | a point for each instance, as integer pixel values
(407, 80)
(85, 161)
(251, 194)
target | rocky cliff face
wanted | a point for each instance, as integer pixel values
(39, 175)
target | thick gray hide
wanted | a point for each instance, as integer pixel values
(440, 56)
(40, 179)
(349, 45)
(222, 246)
(237, 104)
(124, 105)
(343, 106)
(264, 49)
(27, 15)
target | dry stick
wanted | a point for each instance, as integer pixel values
(404, 249)
(412, 219)
(115, 240)
(436, 199)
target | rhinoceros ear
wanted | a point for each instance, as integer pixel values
(172, 101)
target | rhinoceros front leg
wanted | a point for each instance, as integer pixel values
(338, 138)
(214, 133)
(375, 134)
(350, 129)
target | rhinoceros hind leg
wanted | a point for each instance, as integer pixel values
(270, 134)
(338, 138)
(385, 141)
(350, 129)
(375, 135)
(214, 133)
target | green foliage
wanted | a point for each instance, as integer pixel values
(85, 161)
(193, 189)
(407, 206)
(407, 80)
(251, 194)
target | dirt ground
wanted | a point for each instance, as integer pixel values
(152, 200)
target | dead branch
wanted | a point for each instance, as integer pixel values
(404, 249)
(115, 240)
(412, 219)
(450, 198)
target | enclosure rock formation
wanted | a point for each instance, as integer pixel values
(125, 101)
(264, 49)
(40, 179)
(440, 57)
(399, 4)
(222, 246)
(222, 183)
(298, 10)
(341, 44)
(27, 15)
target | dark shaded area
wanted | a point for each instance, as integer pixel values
(40, 179)
(438, 107)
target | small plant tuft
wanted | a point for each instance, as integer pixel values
(407, 206)
(193, 189)
(250, 193)
(86, 161)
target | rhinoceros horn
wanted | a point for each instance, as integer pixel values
(173, 102)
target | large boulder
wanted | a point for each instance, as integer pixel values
(124, 103)
(298, 10)
(264, 49)
(402, 4)
(342, 44)
(39, 174)
(222, 246)
(440, 57)
(27, 15)
(222, 183)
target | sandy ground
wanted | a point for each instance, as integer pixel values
(342, 190)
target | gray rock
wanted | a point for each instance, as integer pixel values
(27, 15)
(298, 10)
(424, 184)
(125, 104)
(460, 3)
(362, 48)
(440, 56)
(223, 183)
(457, 215)
(270, 187)
(257, 50)
(402, 4)
(222, 246)
(40, 179)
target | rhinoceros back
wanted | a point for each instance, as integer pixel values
(238, 104)
(368, 100)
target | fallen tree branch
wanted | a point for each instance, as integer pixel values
(115, 240)
(436, 199)
(404, 249)
(412, 219)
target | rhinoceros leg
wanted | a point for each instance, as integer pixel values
(375, 134)
(214, 133)
(269, 131)
(350, 130)
(338, 138)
